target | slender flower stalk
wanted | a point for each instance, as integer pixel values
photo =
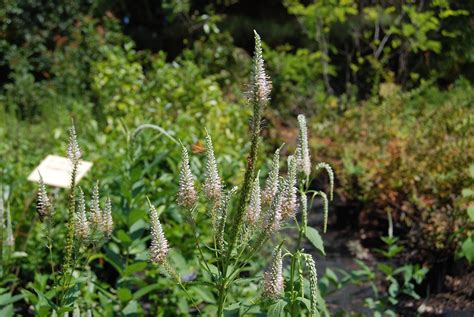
(254, 208)
(159, 245)
(82, 223)
(73, 150)
(74, 154)
(330, 172)
(303, 156)
(212, 183)
(187, 195)
(274, 216)
(313, 283)
(289, 199)
(222, 217)
(259, 98)
(271, 185)
(273, 285)
(43, 205)
(108, 222)
(96, 211)
(304, 211)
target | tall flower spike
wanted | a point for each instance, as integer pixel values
(73, 150)
(289, 202)
(10, 240)
(43, 204)
(324, 197)
(273, 218)
(273, 285)
(313, 283)
(261, 84)
(212, 183)
(303, 156)
(108, 222)
(271, 184)
(96, 212)
(187, 194)
(159, 245)
(254, 208)
(222, 216)
(330, 172)
(82, 223)
(304, 211)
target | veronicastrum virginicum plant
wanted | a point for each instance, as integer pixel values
(87, 230)
(244, 219)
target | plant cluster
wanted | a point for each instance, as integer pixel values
(87, 230)
(244, 218)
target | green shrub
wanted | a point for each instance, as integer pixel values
(407, 154)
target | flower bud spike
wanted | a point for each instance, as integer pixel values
(273, 284)
(289, 199)
(313, 283)
(212, 182)
(43, 204)
(271, 184)
(96, 212)
(325, 206)
(108, 222)
(254, 208)
(73, 150)
(261, 82)
(330, 172)
(187, 195)
(159, 245)
(303, 156)
(82, 229)
(273, 217)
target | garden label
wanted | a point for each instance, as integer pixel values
(56, 171)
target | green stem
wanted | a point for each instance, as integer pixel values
(222, 298)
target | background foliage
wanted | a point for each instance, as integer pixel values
(388, 84)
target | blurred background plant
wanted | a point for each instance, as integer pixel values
(388, 86)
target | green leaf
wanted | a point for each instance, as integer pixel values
(313, 236)
(7, 311)
(131, 309)
(7, 299)
(145, 290)
(124, 294)
(232, 310)
(467, 249)
(277, 309)
(48, 301)
(305, 301)
(470, 212)
(135, 267)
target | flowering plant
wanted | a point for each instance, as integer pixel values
(244, 219)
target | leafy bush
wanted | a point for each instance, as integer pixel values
(403, 154)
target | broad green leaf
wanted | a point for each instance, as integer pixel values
(277, 309)
(7, 311)
(124, 294)
(315, 239)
